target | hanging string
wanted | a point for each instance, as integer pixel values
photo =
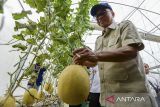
(152, 56)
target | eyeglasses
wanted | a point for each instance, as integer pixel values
(101, 13)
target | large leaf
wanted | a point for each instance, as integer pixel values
(50, 48)
(60, 40)
(19, 25)
(31, 26)
(21, 15)
(1, 6)
(38, 4)
(20, 46)
(18, 37)
(31, 41)
(62, 8)
(42, 57)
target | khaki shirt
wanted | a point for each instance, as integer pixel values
(121, 77)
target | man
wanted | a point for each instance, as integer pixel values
(94, 87)
(36, 76)
(154, 83)
(117, 55)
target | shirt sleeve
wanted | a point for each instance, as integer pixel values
(130, 35)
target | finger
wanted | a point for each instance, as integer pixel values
(75, 57)
(78, 50)
(83, 51)
(78, 62)
(84, 56)
(78, 55)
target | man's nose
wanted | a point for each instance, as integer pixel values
(99, 18)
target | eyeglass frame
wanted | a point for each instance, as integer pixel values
(102, 13)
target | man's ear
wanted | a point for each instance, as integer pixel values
(112, 13)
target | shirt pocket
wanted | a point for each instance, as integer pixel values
(98, 44)
(118, 74)
(114, 42)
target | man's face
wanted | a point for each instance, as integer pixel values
(146, 68)
(104, 17)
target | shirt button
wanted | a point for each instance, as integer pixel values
(102, 81)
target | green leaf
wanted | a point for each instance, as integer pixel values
(73, 38)
(19, 25)
(31, 3)
(31, 26)
(35, 49)
(41, 4)
(42, 57)
(38, 4)
(28, 71)
(1, 6)
(41, 36)
(18, 37)
(20, 46)
(1, 11)
(62, 8)
(21, 15)
(31, 41)
(60, 40)
(50, 49)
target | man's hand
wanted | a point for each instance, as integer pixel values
(84, 56)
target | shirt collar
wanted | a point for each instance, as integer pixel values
(113, 25)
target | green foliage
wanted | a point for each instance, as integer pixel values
(56, 34)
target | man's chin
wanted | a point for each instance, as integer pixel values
(104, 25)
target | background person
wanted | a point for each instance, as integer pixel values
(154, 83)
(36, 77)
(94, 94)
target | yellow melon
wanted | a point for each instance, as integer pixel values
(47, 86)
(29, 96)
(50, 90)
(73, 85)
(7, 101)
(41, 95)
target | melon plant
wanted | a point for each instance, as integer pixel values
(49, 40)
(48, 87)
(41, 95)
